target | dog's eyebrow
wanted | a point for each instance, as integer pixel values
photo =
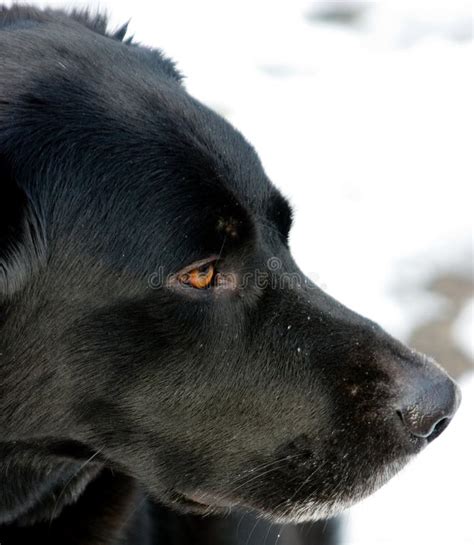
(280, 213)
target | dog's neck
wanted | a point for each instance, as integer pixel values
(36, 487)
(46, 499)
(36, 483)
(52, 493)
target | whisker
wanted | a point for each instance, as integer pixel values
(221, 250)
(237, 531)
(262, 474)
(252, 531)
(264, 466)
(134, 511)
(270, 526)
(69, 481)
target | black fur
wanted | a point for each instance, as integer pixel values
(130, 404)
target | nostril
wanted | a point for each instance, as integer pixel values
(438, 429)
(427, 407)
(400, 415)
(426, 427)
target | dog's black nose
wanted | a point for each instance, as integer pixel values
(427, 410)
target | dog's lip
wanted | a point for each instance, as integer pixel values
(202, 500)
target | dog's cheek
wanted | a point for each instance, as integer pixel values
(134, 370)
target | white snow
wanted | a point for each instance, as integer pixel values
(368, 130)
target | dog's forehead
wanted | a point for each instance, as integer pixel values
(123, 106)
(215, 159)
(194, 156)
(165, 163)
(120, 108)
(203, 149)
(186, 148)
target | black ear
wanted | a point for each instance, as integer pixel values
(22, 240)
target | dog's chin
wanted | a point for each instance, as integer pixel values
(313, 510)
(288, 511)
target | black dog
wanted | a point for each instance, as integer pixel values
(158, 344)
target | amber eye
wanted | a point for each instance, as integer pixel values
(200, 277)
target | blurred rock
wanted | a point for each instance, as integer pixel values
(344, 12)
(400, 24)
(436, 337)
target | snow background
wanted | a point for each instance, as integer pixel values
(367, 128)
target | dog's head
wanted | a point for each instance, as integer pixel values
(152, 313)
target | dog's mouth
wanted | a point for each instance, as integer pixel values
(309, 505)
(200, 503)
